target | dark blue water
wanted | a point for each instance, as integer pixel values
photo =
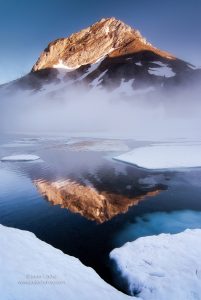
(23, 207)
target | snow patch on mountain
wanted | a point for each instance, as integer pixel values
(98, 80)
(162, 70)
(92, 67)
(138, 63)
(61, 65)
(125, 87)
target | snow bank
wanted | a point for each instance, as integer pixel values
(20, 157)
(32, 269)
(164, 156)
(162, 267)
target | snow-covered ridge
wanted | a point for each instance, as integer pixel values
(34, 270)
(164, 156)
(162, 267)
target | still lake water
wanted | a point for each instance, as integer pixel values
(161, 194)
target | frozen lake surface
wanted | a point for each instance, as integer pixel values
(130, 202)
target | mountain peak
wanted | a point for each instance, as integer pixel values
(107, 37)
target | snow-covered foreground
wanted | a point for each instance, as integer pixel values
(162, 267)
(159, 267)
(164, 156)
(31, 269)
(20, 157)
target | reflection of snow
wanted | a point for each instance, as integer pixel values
(162, 267)
(164, 156)
(152, 180)
(32, 269)
(139, 63)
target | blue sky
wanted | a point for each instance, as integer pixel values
(27, 26)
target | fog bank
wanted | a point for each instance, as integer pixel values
(99, 113)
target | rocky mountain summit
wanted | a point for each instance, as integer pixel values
(109, 56)
(108, 37)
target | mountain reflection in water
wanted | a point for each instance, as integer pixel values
(95, 205)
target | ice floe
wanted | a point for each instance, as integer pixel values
(164, 156)
(20, 157)
(162, 267)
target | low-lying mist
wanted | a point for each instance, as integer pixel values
(98, 113)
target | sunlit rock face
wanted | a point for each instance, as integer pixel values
(107, 37)
(112, 57)
(99, 206)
